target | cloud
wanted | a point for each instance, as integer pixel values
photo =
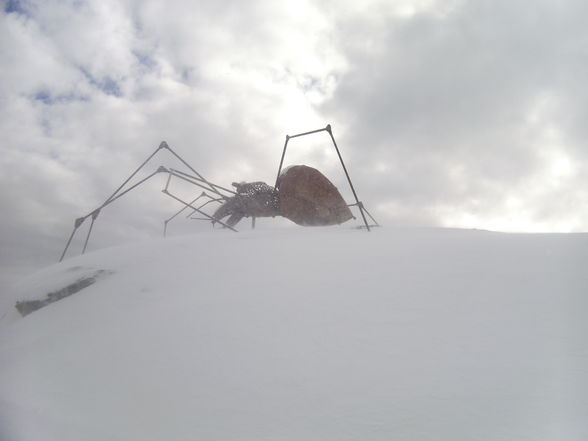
(90, 89)
(454, 110)
(447, 113)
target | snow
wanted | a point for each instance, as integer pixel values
(305, 334)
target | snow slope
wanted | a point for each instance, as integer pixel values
(305, 334)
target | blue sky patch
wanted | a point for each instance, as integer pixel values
(49, 99)
(145, 60)
(45, 97)
(15, 7)
(106, 84)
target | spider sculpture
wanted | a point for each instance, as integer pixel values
(301, 193)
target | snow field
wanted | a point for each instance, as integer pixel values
(306, 334)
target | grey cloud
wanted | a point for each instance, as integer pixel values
(435, 94)
(106, 84)
(477, 113)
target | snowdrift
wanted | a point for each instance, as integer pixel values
(305, 334)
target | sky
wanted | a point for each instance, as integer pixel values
(450, 113)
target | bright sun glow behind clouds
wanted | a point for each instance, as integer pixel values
(456, 113)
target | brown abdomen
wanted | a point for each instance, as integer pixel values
(308, 198)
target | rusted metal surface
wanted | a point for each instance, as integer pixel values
(308, 198)
(301, 194)
(304, 195)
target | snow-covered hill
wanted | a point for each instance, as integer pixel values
(305, 334)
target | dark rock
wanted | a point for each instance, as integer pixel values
(25, 307)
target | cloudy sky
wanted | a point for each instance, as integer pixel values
(448, 112)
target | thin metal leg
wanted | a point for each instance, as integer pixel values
(118, 193)
(162, 145)
(211, 186)
(68, 243)
(181, 210)
(371, 217)
(94, 216)
(199, 211)
(281, 161)
(329, 130)
(360, 205)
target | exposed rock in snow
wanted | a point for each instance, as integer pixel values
(25, 307)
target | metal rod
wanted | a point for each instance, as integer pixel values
(185, 207)
(288, 137)
(194, 181)
(205, 204)
(203, 194)
(69, 241)
(209, 183)
(212, 186)
(310, 133)
(190, 180)
(359, 204)
(168, 180)
(371, 217)
(115, 195)
(376, 224)
(112, 199)
(199, 211)
(162, 145)
(95, 213)
(182, 209)
(282, 161)
(129, 189)
(329, 130)
(90, 231)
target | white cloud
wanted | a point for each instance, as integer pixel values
(91, 88)
(446, 112)
(465, 106)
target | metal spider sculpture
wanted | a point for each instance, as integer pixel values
(301, 193)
